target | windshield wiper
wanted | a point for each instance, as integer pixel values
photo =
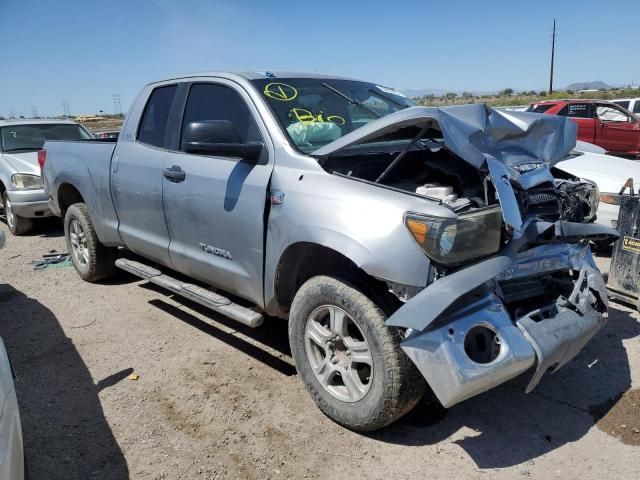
(352, 101)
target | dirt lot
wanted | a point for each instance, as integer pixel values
(214, 400)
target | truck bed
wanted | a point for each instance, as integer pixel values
(85, 164)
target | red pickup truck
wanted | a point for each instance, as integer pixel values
(599, 122)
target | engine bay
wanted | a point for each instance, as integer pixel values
(437, 174)
(440, 175)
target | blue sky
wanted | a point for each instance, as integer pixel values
(86, 51)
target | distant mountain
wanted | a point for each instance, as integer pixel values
(438, 92)
(594, 85)
(421, 92)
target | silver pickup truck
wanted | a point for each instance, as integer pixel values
(407, 246)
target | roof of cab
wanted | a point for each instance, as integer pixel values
(32, 121)
(256, 75)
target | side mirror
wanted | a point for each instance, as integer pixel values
(219, 138)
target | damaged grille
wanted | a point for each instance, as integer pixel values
(542, 202)
(526, 294)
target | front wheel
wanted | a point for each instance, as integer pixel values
(348, 358)
(92, 260)
(17, 225)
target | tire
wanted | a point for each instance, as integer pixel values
(17, 225)
(393, 385)
(92, 260)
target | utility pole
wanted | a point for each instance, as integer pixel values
(67, 109)
(553, 51)
(117, 107)
(34, 112)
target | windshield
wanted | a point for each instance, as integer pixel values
(316, 111)
(32, 137)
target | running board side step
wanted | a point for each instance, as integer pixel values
(200, 295)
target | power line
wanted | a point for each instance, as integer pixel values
(553, 51)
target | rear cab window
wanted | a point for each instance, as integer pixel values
(152, 129)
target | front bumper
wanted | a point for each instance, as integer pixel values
(548, 336)
(29, 203)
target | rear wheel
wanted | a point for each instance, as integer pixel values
(349, 360)
(92, 260)
(17, 225)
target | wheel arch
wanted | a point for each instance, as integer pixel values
(68, 194)
(303, 260)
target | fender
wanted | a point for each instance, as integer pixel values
(362, 222)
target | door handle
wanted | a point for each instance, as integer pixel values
(174, 174)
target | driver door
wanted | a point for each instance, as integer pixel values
(618, 131)
(215, 212)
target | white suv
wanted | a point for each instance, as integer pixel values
(631, 104)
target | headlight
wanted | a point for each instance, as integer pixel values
(27, 182)
(451, 241)
(592, 200)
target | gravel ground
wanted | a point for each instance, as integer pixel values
(215, 400)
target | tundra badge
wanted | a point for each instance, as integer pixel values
(215, 251)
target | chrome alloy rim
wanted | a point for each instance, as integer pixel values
(8, 211)
(339, 353)
(78, 242)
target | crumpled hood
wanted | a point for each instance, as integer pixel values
(26, 162)
(474, 131)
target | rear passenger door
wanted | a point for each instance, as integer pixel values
(216, 213)
(137, 176)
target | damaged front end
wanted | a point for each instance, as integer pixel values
(512, 281)
(540, 310)
(539, 298)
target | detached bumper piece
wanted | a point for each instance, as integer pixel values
(558, 332)
(476, 345)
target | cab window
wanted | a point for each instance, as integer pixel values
(576, 110)
(541, 107)
(153, 124)
(209, 101)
